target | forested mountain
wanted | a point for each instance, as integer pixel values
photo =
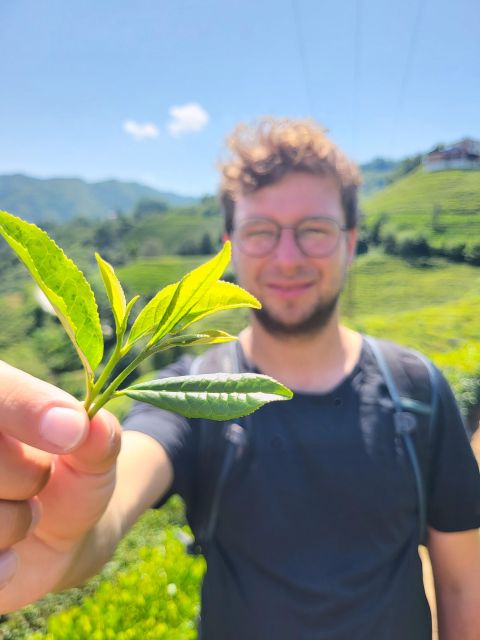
(62, 199)
(58, 200)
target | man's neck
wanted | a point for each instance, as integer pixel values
(309, 363)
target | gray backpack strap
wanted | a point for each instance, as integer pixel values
(225, 360)
(405, 422)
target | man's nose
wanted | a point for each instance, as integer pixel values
(287, 250)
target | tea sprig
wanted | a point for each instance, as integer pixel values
(157, 327)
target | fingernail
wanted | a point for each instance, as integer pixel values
(112, 440)
(8, 566)
(112, 433)
(64, 428)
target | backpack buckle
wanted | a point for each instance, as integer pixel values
(404, 421)
(237, 436)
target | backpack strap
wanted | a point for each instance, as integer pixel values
(405, 421)
(224, 359)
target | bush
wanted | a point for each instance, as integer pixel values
(362, 242)
(390, 243)
(157, 599)
(472, 253)
(412, 246)
(21, 624)
(453, 250)
(375, 231)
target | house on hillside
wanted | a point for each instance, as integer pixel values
(464, 154)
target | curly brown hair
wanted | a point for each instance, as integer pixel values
(262, 154)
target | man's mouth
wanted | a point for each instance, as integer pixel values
(288, 290)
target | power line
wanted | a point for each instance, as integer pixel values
(302, 55)
(356, 73)
(408, 64)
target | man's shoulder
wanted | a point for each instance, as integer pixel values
(411, 372)
(179, 367)
(413, 361)
(398, 349)
(221, 358)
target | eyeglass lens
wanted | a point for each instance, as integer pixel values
(316, 237)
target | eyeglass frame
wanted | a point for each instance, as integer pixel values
(341, 229)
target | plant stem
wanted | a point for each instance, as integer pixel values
(104, 397)
(109, 367)
(89, 387)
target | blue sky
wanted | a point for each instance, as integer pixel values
(147, 90)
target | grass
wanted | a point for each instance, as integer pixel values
(434, 309)
(455, 192)
(147, 276)
(381, 284)
(170, 232)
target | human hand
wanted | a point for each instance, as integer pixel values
(57, 475)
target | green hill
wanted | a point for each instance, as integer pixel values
(377, 174)
(61, 199)
(423, 212)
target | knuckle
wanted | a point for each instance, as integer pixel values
(24, 471)
(35, 477)
(15, 518)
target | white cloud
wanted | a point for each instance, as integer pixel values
(139, 130)
(187, 118)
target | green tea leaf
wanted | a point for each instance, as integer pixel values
(128, 310)
(173, 302)
(114, 291)
(151, 315)
(191, 289)
(62, 282)
(214, 396)
(220, 297)
(212, 336)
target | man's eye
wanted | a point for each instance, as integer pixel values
(259, 233)
(315, 231)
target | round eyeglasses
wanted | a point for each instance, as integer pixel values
(316, 237)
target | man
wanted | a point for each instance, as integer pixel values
(317, 529)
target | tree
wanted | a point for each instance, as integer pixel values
(148, 206)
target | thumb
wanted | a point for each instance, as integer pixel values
(101, 447)
(81, 483)
(39, 414)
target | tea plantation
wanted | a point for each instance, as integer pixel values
(428, 213)
(151, 587)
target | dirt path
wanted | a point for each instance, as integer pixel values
(427, 568)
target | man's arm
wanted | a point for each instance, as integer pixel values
(144, 475)
(455, 559)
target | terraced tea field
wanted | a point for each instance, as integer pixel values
(442, 207)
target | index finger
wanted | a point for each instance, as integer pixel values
(39, 413)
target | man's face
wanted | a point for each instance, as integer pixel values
(298, 293)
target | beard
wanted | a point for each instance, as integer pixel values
(319, 317)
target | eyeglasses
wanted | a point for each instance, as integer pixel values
(316, 237)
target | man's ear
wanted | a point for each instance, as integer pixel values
(352, 238)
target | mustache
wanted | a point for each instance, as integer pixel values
(312, 324)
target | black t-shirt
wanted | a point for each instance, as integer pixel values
(317, 534)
